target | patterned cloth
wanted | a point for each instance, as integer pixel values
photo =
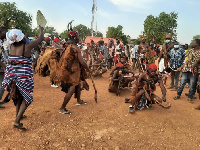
(191, 57)
(5, 52)
(177, 58)
(1, 50)
(1, 56)
(20, 70)
(151, 60)
(106, 54)
(143, 103)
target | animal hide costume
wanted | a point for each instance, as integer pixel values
(42, 64)
(69, 71)
(149, 86)
(53, 62)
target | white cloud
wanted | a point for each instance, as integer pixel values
(192, 2)
(139, 6)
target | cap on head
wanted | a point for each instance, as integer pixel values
(119, 64)
(152, 66)
(56, 39)
(46, 38)
(73, 35)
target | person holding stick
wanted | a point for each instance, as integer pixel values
(71, 72)
(142, 91)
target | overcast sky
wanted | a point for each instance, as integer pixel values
(128, 13)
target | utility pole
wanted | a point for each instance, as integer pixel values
(94, 10)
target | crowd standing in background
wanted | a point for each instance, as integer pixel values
(131, 66)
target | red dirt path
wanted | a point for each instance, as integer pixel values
(106, 125)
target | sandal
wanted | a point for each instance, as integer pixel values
(127, 100)
(65, 112)
(171, 87)
(131, 109)
(190, 100)
(177, 97)
(174, 89)
(81, 102)
(24, 117)
(20, 127)
(198, 107)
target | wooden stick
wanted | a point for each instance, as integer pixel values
(95, 96)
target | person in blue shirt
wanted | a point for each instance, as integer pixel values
(176, 61)
(27, 38)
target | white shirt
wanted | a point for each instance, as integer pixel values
(134, 51)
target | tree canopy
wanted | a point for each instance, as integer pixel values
(98, 34)
(47, 29)
(50, 30)
(83, 32)
(196, 37)
(63, 35)
(137, 40)
(117, 33)
(11, 16)
(155, 28)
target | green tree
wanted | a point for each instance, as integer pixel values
(35, 32)
(64, 34)
(137, 40)
(98, 34)
(155, 28)
(117, 33)
(196, 37)
(11, 16)
(50, 30)
(83, 31)
(125, 39)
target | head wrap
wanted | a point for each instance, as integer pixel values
(153, 66)
(56, 39)
(100, 56)
(73, 35)
(14, 35)
(46, 38)
(119, 64)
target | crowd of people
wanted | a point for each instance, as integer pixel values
(130, 66)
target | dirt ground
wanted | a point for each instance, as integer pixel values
(106, 125)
